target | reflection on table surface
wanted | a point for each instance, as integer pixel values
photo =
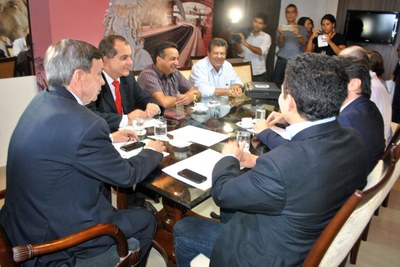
(221, 118)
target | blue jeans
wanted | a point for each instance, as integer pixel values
(193, 236)
(279, 71)
(109, 258)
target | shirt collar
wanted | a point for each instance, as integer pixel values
(294, 129)
(108, 78)
(77, 98)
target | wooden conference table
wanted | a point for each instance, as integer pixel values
(179, 198)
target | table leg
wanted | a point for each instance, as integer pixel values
(166, 218)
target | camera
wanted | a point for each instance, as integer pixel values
(235, 38)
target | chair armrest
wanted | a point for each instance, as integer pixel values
(22, 253)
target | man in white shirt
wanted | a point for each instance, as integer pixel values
(255, 47)
(213, 75)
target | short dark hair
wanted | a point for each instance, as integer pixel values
(357, 68)
(376, 62)
(303, 20)
(217, 42)
(318, 84)
(262, 16)
(329, 17)
(291, 5)
(106, 45)
(160, 49)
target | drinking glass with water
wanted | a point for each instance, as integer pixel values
(160, 128)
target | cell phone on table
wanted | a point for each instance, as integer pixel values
(192, 176)
(132, 146)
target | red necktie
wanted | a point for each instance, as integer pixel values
(118, 102)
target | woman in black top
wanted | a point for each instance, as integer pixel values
(328, 41)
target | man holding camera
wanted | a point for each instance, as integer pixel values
(291, 39)
(255, 47)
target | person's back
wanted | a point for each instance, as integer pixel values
(59, 155)
(288, 195)
(281, 232)
(363, 116)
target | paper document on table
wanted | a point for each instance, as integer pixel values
(199, 135)
(129, 154)
(202, 163)
(282, 132)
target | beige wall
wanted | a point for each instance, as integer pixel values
(15, 94)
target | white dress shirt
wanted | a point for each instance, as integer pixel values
(381, 98)
(263, 41)
(206, 78)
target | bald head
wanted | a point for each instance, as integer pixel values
(356, 52)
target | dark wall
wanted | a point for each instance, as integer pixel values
(387, 51)
(271, 8)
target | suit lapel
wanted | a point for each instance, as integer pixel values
(124, 88)
(107, 96)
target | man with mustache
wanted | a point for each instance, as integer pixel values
(164, 81)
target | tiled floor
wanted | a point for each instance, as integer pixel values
(382, 248)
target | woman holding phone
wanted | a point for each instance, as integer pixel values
(326, 41)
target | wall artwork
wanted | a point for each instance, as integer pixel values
(147, 23)
(15, 40)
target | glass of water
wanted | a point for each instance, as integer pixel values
(214, 106)
(138, 127)
(160, 128)
(260, 114)
(244, 136)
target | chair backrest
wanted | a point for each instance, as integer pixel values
(337, 239)
(194, 59)
(185, 71)
(136, 74)
(235, 60)
(7, 67)
(244, 71)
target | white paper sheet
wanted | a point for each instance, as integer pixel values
(147, 124)
(198, 135)
(129, 154)
(202, 163)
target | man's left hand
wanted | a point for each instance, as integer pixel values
(124, 135)
(152, 110)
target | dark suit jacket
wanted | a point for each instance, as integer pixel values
(361, 115)
(132, 96)
(286, 200)
(58, 157)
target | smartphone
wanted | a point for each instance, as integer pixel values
(132, 146)
(287, 27)
(192, 176)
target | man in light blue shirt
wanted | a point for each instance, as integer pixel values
(213, 75)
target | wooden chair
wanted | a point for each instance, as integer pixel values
(194, 59)
(12, 256)
(345, 229)
(7, 67)
(244, 71)
(185, 71)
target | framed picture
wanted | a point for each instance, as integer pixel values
(15, 35)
